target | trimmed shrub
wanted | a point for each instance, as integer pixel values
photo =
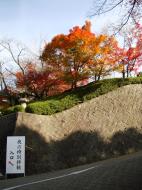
(71, 98)
(41, 108)
(52, 106)
(69, 101)
(13, 109)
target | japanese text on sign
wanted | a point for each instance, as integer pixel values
(15, 157)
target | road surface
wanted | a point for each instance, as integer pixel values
(124, 173)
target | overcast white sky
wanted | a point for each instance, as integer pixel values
(31, 21)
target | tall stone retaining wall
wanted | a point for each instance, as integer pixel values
(7, 128)
(107, 126)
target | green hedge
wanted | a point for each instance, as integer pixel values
(52, 106)
(43, 108)
(13, 109)
(71, 98)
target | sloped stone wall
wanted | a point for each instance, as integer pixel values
(103, 127)
(107, 114)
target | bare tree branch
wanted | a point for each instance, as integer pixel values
(131, 9)
(16, 58)
(127, 19)
(98, 12)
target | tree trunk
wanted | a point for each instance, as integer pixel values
(74, 85)
(123, 74)
(95, 77)
(99, 77)
(127, 71)
(123, 71)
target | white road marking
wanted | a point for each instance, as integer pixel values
(53, 178)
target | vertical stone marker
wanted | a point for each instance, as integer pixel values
(15, 155)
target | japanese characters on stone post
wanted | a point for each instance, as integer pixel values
(15, 155)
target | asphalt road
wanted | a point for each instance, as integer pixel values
(124, 173)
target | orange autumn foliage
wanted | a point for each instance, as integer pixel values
(73, 59)
(39, 82)
(78, 54)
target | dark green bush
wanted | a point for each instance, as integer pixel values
(18, 108)
(52, 106)
(137, 80)
(69, 101)
(13, 109)
(71, 98)
(42, 108)
(101, 87)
